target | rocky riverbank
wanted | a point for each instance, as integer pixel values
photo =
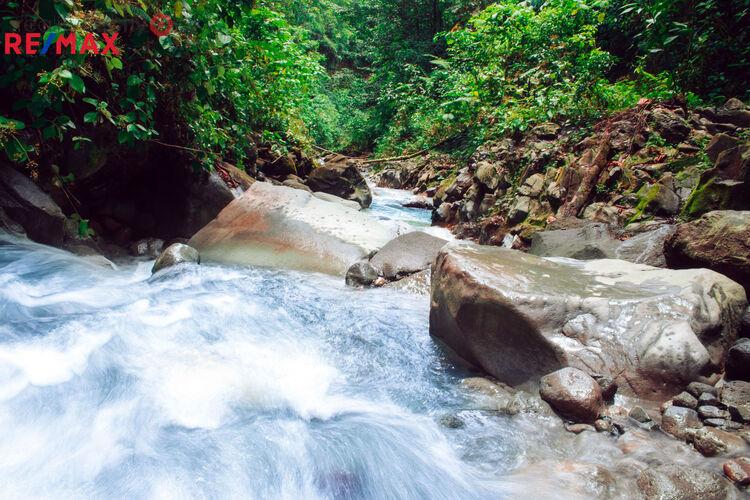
(627, 318)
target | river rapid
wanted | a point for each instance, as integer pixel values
(228, 382)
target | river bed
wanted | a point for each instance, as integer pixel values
(228, 382)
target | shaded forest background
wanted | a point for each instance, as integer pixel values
(382, 76)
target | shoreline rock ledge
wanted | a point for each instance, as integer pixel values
(519, 317)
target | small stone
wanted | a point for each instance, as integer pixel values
(732, 426)
(452, 422)
(698, 388)
(579, 428)
(573, 394)
(380, 281)
(712, 412)
(738, 471)
(686, 400)
(677, 420)
(738, 361)
(708, 399)
(609, 388)
(603, 425)
(639, 415)
(715, 422)
(361, 273)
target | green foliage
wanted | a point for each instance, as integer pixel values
(224, 73)
(705, 44)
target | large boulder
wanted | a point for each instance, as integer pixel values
(719, 240)
(284, 227)
(343, 180)
(407, 254)
(32, 208)
(518, 317)
(572, 393)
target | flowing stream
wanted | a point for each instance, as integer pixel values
(226, 382)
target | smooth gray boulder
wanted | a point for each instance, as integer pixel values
(176, 254)
(361, 273)
(519, 317)
(289, 228)
(592, 241)
(407, 254)
(599, 241)
(26, 204)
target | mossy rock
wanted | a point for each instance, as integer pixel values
(707, 196)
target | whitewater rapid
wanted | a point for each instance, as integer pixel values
(227, 382)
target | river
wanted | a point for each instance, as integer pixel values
(227, 382)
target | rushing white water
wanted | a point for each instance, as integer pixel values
(225, 382)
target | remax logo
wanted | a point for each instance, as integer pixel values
(33, 44)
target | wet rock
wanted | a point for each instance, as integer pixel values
(608, 386)
(147, 247)
(361, 273)
(738, 471)
(712, 412)
(174, 255)
(638, 414)
(452, 422)
(296, 184)
(685, 400)
(518, 316)
(672, 127)
(712, 442)
(27, 205)
(698, 388)
(579, 428)
(573, 394)
(715, 422)
(735, 395)
(342, 180)
(335, 199)
(677, 420)
(682, 482)
(646, 247)
(714, 241)
(206, 195)
(708, 399)
(419, 202)
(592, 241)
(418, 283)
(407, 254)
(738, 361)
(603, 425)
(289, 228)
